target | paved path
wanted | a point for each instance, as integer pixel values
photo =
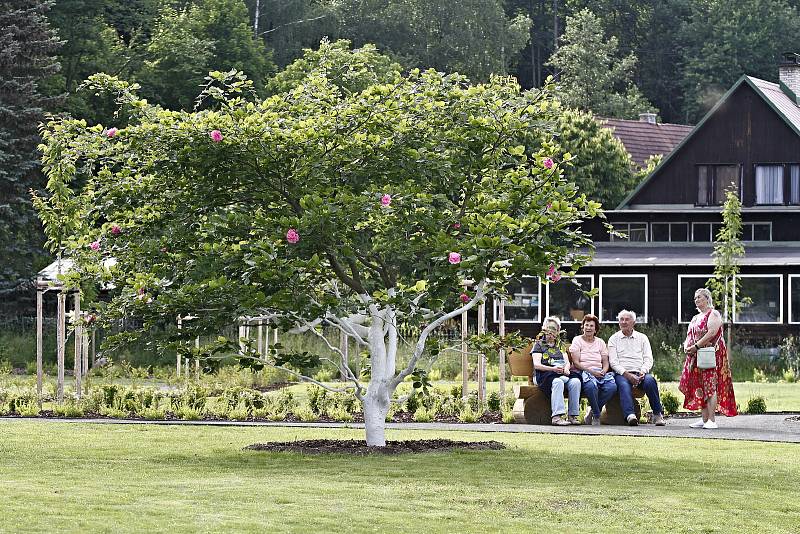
(777, 428)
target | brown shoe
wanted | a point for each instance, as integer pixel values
(574, 420)
(557, 421)
(658, 420)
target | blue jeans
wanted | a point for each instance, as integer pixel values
(557, 395)
(598, 394)
(650, 387)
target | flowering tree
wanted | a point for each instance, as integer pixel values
(360, 212)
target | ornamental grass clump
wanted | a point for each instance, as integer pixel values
(306, 414)
(468, 415)
(757, 405)
(241, 412)
(670, 402)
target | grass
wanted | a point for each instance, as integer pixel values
(82, 477)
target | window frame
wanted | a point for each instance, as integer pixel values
(786, 185)
(591, 299)
(789, 294)
(780, 297)
(782, 186)
(614, 239)
(711, 186)
(695, 223)
(753, 231)
(680, 289)
(496, 306)
(646, 277)
(671, 223)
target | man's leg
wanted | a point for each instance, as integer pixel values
(650, 387)
(625, 395)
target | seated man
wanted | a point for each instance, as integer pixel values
(630, 357)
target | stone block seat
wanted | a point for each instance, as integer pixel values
(532, 406)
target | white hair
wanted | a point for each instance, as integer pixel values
(629, 313)
(552, 319)
(707, 294)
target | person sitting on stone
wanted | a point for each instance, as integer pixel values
(631, 359)
(552, 373)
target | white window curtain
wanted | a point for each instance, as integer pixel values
(769, 184)
(794, 194)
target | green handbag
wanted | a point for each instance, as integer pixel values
(706, 358)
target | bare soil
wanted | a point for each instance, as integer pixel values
(360, 448)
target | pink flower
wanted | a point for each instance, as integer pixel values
(215, 135)
(111, 132)
(549, 205)
(464, 298)
(141, 291)
(548, 163)
(95, 245)
(555, 277)
(292, 236)
(116, 230)
(551, 270)
(91, 318)
(454, 258)
(386, 200)
(457, 225)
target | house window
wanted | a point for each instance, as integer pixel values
(687, 285)
(623, 292)
(757, 231)
(567, 301)
(794, 184)
(523, 305)
(713, 180)
(669, 231)
(794, 298)
(705, 232)
(765, 295)
(769, 184)
(632, 231)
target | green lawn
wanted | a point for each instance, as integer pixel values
(62, 477)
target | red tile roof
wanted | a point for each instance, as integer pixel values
(644, 139)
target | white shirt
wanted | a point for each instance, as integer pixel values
(630, 353)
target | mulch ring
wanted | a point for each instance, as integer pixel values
(360, 448)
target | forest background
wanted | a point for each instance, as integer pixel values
(611, 58)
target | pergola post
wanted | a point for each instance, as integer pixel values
(60, 340)
(260, 342)
(464, 358)
(78, 334)
(178, 352)
(39, 342)
(196, 360)
(501, 317)
(482, 356)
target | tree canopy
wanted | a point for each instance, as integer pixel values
(362, 211)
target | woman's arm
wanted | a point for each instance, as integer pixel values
(604, 356)
(574, 356)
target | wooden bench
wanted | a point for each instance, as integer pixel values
(532, 406)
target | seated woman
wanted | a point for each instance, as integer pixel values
(589, 356)
(552, 373)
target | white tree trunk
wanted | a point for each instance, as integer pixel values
(376, 406)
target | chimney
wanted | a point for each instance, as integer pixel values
(789, 74)
(651, 117)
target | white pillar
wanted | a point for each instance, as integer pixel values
(501, 317)
(77, 332)
(60, 335)
(482, 357)
(178, 351)
(464, 358)
(39, 342)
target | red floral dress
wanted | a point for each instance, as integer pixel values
(699, 385)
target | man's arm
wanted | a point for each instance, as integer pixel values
(647, 355)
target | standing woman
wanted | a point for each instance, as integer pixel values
(710, 390)
(553, 374)
(589, 356)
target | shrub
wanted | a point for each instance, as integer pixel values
(390, 414)
(317, 399)
(153, 413)
(508, 416)
(412, 403)
(456, 391)
(218, 407)
(239, 413)
(339, 413)
(468, 415)
(493, 402)
(116, 413)
(423, 415)
(789, 375)
(757, 405)
(306, 414)
(759, 375)
(29, 409)
(325, 375)
(68, 409)
(670, 403)
(188, 412)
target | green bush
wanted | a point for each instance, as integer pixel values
(239, 413)
(757, 405)
(493, 402)
(789, 375)
(306, 414)
(468, 415)
(423, 415)
(670, 403)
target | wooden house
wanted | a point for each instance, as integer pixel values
(749, 140)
